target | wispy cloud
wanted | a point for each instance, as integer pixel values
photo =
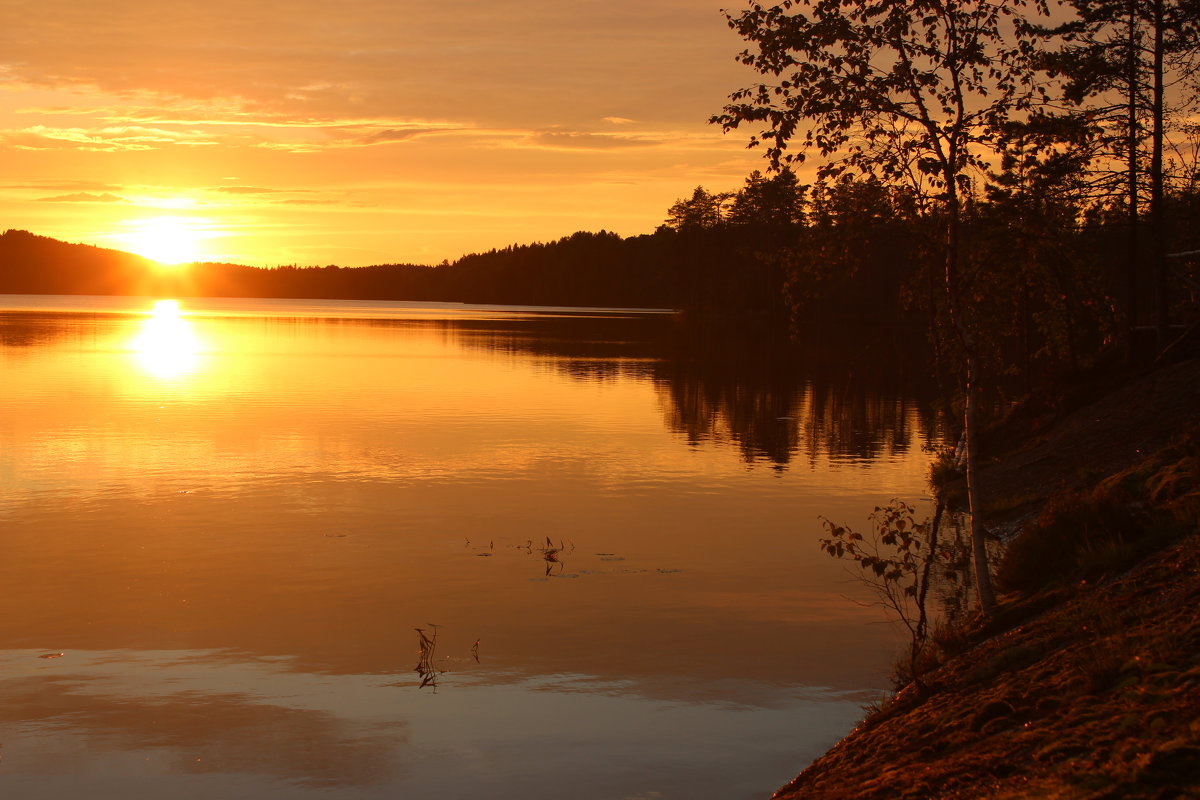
(263, 194)
(341, 136)
(393, 135)
(232, 112)
(84, 197)
(106, 139)
(63, 186)
(246, 190)
(576, 140)
(132, 130)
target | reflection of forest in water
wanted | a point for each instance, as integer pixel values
(850, 400)
(20, 329)
(842, 400)
(784, 418)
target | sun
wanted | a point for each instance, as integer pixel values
(167, 240)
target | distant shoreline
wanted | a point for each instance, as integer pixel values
(354, 308)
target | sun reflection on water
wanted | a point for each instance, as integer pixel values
(166, 346)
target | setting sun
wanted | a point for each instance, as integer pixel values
(167, 240)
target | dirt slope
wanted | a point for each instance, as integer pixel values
(1089, 689)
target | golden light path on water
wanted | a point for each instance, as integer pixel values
(166, 346)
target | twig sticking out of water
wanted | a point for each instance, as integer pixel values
(426, 668)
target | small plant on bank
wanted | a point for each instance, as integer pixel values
(897, 558)
(945, 468)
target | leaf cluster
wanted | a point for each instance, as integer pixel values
(892, 553)
(899, 558)
(905, 91)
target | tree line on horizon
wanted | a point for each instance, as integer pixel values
(712, 256)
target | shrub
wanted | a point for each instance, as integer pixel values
(1091, 533)
(1071, 537)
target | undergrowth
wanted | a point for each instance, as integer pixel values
(1086, 534)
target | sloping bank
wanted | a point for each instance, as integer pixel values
(1086, 682)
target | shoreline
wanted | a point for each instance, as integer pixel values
(1087, 687)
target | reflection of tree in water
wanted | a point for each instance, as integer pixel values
(756, 416)
(730, 387)
(775, 403)
(856, 423)
(774, 418)
(22, 329)
(589, 348)
(844, 400)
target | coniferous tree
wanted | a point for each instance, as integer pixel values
(1127, 68)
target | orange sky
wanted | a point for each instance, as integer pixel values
(361, 131)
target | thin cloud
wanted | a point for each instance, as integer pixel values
(345, 137)
(109, 139)
(272, 196)
(84, 197)
(390, 135)
(243, 114)
(314, 135)
(246, 190)
(63, 186)
(561, 140)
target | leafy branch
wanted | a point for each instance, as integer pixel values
(897, 557)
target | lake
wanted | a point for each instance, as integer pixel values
(325, 549)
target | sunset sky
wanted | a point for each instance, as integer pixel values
(361, 131)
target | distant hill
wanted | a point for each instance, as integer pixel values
(584, 269)
(31, 264)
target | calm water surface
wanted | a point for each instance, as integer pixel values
(223, 527)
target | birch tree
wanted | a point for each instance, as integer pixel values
(909, 92)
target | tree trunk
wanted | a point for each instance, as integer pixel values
(1157, 210)
(983, 577)
(931, 555)
(1131, 78)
